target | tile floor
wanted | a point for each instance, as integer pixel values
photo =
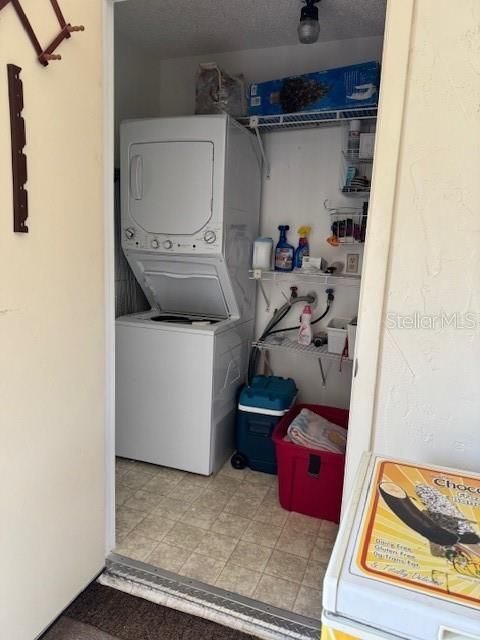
(227, 530)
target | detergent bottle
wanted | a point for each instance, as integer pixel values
(303, 248)
(305, 329)
(283, 251)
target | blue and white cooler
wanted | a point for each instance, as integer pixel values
(261, 405)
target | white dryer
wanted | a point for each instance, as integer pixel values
(190, 191)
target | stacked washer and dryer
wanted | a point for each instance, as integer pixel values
(190, 202)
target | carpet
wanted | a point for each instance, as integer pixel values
(102, 613)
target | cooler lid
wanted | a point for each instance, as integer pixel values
(407, 558)
(270, 393)
(189, 286)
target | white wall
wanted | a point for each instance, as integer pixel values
(177, 76)
(428, 400)
(137, 85)
(306, 169)
(52, 318)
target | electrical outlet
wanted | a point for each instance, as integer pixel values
(353, 260)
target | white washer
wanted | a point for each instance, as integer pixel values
(190, 210)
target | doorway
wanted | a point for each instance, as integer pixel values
(288, 152)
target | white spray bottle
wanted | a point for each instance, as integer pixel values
(305, 330)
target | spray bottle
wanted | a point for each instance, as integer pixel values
(303, 248)
(305, 330)
(283, 251)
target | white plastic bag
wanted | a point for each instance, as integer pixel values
(218, 92)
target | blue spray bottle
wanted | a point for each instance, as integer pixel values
(284, 251)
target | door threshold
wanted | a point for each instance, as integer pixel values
(196, 598)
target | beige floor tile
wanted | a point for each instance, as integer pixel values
(160, 484)
(213, 500)
(122, 494)
(230, 525)
(154, 526)
(185, 536)
(254, 490)
(171, 508)
(257, 478)
(136, 546)
(228, 470)
(195, 481)
(241, 505)
(275, 515)
(328, 530)
(122, 465)
(202, 568)
(314, 575)
(322, 550)
(136, 478)
(277, 592)
(238, 579)
(250, 556)
(230, 484)
(299, 523)
(126, 520)
(174, 476)
(146, 467)
(261, 533)
(216, 545)
(166, 556)
(143, 501)
(309, 603)
(198, 517)
(186, 491)
(298, 544)
(287, 566)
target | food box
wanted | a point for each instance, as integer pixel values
(341, 88)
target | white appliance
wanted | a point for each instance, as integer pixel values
(190, 201)
(406, 562)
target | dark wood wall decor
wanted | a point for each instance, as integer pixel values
(19, 159)
(46, 55)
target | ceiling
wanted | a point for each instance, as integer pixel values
(176, 28)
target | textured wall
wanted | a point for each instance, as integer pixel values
(428, 402)
(52, 391)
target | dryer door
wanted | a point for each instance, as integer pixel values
(170, 186)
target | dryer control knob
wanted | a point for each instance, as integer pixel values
(155, 243)
(129, 233)
(210, 237)
(167, 244)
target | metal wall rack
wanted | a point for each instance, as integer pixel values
(301, 276)
(320, 353)
(302, 120)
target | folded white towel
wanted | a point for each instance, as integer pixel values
(308, 429)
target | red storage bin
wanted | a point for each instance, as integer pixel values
(310, 481)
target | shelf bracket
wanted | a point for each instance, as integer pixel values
(322, 373)
(264, 295)
(254, 125)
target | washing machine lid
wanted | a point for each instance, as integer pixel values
(188, 286)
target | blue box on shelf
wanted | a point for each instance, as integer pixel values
(342, 88)
(261, 405)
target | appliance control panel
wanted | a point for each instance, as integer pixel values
(208, 240)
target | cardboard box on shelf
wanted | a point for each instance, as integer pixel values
(341, 88)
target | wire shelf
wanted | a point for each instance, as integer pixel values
(353, 158)
(305, 276)
(307, 119)
(285, 344)
(348, 227)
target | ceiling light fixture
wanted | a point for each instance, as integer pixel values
(309, 27)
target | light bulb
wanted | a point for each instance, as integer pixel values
(308, 30)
